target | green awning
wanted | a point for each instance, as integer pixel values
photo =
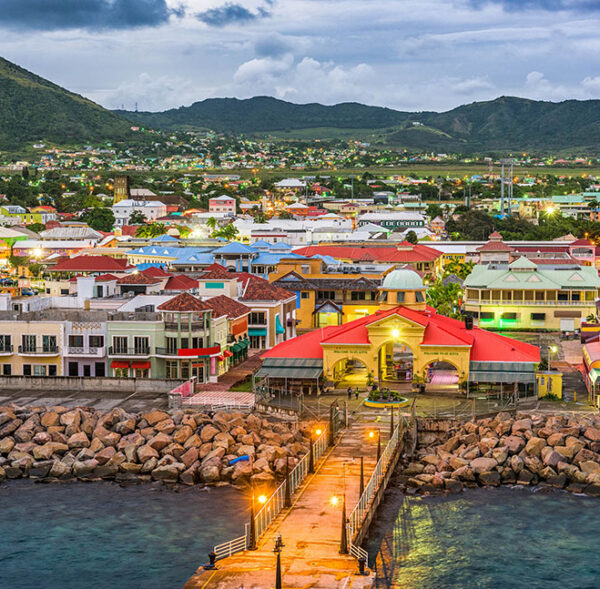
(244, 343)
(289, 372)
(257, 331)
(278, 327)
(237, 348)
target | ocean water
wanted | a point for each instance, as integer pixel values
(487, 538)
(99, 535)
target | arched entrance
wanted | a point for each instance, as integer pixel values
(441, 376)
(350, 372)
(396, 363)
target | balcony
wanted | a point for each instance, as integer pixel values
(86, 352)
(129, 352)
(174, 326)
(527, 303)
(43, 351)
(6, 350)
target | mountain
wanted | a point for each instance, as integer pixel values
(34, 109)
(506, 123)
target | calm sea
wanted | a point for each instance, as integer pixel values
(488, 538)
(99, 535)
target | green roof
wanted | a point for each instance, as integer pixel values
(402, 279)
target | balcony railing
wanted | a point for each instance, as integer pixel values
(117, 351)
(83, 351)
(174, 326)
(44, 350)
(522, 302)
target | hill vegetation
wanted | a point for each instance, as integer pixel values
(34, 109)
(506, 123)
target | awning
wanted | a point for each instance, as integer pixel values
(220, 358)
(237, 348)
(257, 331)
(227, 354)
(278, 327)
(244, 343)
(289, 372)
(198, 365)
(199, 351)
(140, 365)
(119, 364)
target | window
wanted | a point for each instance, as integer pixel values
(400, 296)
(29, 343)
(96, 341)
(26, 369)
(326, 294)
(75, 341)
(358, 295)
(304, 295)
(122, 372)
(171, 345)
(5, 343)
(538, 316)
(305, 269)
(141, 345)
(120, 344)
(257, 318)
(171, 368)
(49, 343)
(563, 295)
(509, 316)
(39, 370)
(197, 342)
(64, 291)
(185, 370)
(185, 343)
(6, 369)
(487, 316)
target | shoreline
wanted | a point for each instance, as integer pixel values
(528, 450)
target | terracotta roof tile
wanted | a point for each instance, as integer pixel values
(184, 303)
(224, 305)
(138, 278)
(90, 264)
(181, 282)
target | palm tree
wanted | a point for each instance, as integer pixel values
(151, 230)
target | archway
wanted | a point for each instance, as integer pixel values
(396, 363)
(442, 376)
(350, 372)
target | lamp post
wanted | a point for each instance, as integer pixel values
(288, 497)
(362, 476)
(392, 423)
(551, 350)
(277, 550)
(378, 445)
(252, 544)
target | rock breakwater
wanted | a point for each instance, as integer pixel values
(186, 447)
(530, 449)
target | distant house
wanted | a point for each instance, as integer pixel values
(151, 209)
(222, 204)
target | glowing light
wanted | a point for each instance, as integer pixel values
(554, 349)
(334, 500)
(371, 435)
(318, 432)
(550, 210)
(395, 333)
(37, 252)
(262, 499)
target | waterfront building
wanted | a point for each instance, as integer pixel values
(403, 343)
(523, 294)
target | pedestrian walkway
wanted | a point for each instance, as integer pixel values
(311, 529)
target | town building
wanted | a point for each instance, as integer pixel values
(222, 204)
(152, 210)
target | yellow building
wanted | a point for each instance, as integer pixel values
(326, 297)
(405, 343)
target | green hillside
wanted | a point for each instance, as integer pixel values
(34, 109)
(503, 124)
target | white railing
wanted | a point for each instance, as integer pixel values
(527, 303)
(276, 501)
(355, 520)
(358, 553)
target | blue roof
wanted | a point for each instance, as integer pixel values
(164, 238)
(271, 258)
(280, 246)
(260, 244)
(235, 248)
(147, 265)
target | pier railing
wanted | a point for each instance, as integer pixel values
(276, 502)
(365, 504)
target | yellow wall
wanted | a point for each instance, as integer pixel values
(549, 383)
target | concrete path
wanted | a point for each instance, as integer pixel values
(311, 529)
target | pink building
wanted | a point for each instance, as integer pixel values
(222, 204)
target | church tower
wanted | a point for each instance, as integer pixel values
(122, 189)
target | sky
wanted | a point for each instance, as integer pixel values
(405, 54)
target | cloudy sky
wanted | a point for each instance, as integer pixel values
(405, 54)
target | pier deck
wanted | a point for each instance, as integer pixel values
(311, 528)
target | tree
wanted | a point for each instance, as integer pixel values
(36, 227)
(444, 298)
(211, 223)
(100, 219)
(434, 210)
(459, 268)
(285, 215)
(151, 230)
(229, 232)
(411, 237)
(137, 218)
(35, 269)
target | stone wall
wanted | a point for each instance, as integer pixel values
(187, 447)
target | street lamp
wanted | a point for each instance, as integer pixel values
(551, 350)
(372, 437)
(277, 550)
(262, 499)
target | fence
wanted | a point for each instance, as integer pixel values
(365, 503)
(275, 503)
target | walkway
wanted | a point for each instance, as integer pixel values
(311, 529)
(235, 374)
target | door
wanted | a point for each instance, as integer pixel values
(73, 369)
(567, 324)
(87, 370)
(100, 369)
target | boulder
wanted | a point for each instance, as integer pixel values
(154, 417)
(210, 473)
(149, 465)
(214, 456)
(159, 441)
(483, 464)
(534, 446)
(592, 433)
(182, 434)
(516, 463)
(9, 427)
(166, 426)
(104, 455)
(168, 473)
(71, 418)
(84, 467)
(224, 440)
(464, 473)
(146, 452)
(556, 439)
(585, 455)
(189, 457)
(521, 425)
(589, 467)
(193, 441)
(490, 478)
(6, 445)
(79, 440)
(552, 458)
(60, 470)
(125, 427)
(500, 454)
(242, 471)
(189, 476)
(208, 433)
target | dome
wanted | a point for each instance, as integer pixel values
(402, 279)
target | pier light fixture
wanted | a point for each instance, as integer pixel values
(395, 333)
(371, 434)
(318, 431)
(334, 500)
(262, 499)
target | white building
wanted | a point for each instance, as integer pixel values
(151, 209)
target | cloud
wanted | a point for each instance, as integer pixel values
(232, 13)
(547, 5)
(50, 15)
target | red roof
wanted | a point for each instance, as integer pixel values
(495, 246)
(181, 282)
(90, 264)
(404, 253)
(216, 271)
(129, 230)
(439, 331)
(259, 289)
(582, 242)
(139, 279)
(184, 303)
(156, 271)
(106, 278)
(224, 305)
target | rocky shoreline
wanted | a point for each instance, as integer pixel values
(177, 447)
(530, 449)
